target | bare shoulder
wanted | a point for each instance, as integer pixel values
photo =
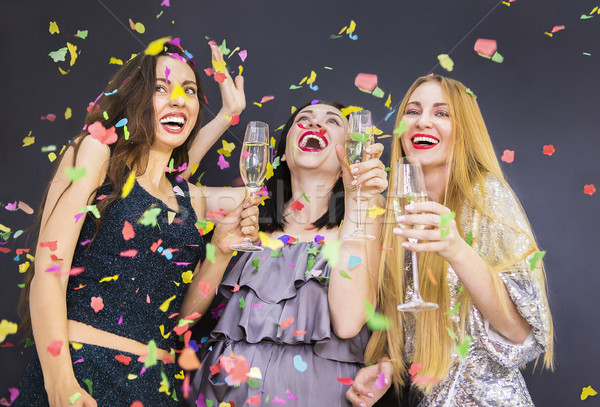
(198, 200)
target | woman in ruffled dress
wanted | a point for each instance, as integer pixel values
(485, 274)
(293, 329)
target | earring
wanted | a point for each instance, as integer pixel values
(283, 157)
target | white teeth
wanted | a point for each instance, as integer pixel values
(421, 139)
(173, 119)
(304, 141)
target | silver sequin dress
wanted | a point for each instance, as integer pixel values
(489, 375)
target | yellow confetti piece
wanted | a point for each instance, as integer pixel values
(156, 46)
(52, 157)
(303, 80)
(592, 12)
(377, 131)
(29, 256)
(241, 69)
(269, 170)
(76, 345)
(72, 53)
(54, 28)
(165, 305)
(226, 149)
(29, 140)
(187, 276)
(128, 185)
(162, 332)
(62, 71)
(178, 92)
(585, 392)
(109, 278)
(272, 142)
(549, 34)
(4, 229)
(171, 216)
(374, 211)
(254, 373)
(180, 375)
(350, 109)
(115, 61)
(23, 267)
(388, 102)
(195, 168)
(7, 328)
(258, 104)
(68, 113)
(140, 28)
(312, 77)
(352, 27)
(132, 376)
(273, 244)
(446, 62)
(342, 30)
(219, 66)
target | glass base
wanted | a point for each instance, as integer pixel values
(246, 247)
(417, 306)
(358, 235)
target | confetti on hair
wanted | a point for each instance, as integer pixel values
(535, 259)
(156, 46)
(431, 277)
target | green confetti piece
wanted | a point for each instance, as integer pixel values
(446, 218)
(224, 48)
(469, 238)
(334, 37)
(294, 87)
(363, 138)
(242, 303)
(331, 252)
(59, 54)
(105, 115)
(209, 403)
(255, 263)
(470, 92)
(21, 285)
(452, 334)
(453, 310)
(587, 54)
(534, 260)
(151, 358)
(276, 162)
(375, 321)
(74, 174)
(126, 132)
(345, 275)
(388, 169)
(583, 17)
(310, 262)
(276, 254)
(88, 382)
(328, 68)
(159, 14)
(149, 217)
(444, 232)
(74, 397)
(378, 92)
(93, 209)
(82, 34)
(313, 250)
(483, 256)
(29, 342)
(463, 348)
(400, 129)
(201, 224)
(210, 252)
(253, 383)
(171, 164)
(305, 197)
(497, 58)
(47, 149)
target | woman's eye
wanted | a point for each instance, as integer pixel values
(303, 118)
(443, 114)
(160, 88)
(412, 112)
(190, 91)
(334, 121)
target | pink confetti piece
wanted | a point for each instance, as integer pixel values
(55, 267)
(557, 28)
(222, 163)
(266, 99)
(79, 216)
(245, 154)
(485, 47)
(75, 271)
(279, 401)
(508, 156)
(78, 361)
(50, 117)
(55, 347)
(366, 81)
(243, 54)
(166, 3)
(11, 206)
(100, 133)
(97, 304)
(380, 382)
(291, 396)
(167, 70)
(25, 208)
(129, 253)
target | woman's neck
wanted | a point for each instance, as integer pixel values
(435, 181)
(155, 169)
(312, 192)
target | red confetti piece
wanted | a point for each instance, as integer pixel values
(97, 304)
(137, 403)
(148, 298)
(4, 250)
(204, 287)
(155, 245)
(123, 359)
(53, 257)
(254, 400)
(414, 368)
(55, 347)
(208, 71)
(215, 369)
(240, 371)
(129, 253)
(235, 120)
(50, 245)
(589, 189)
(102, 134)
(287, 322)
(299, 333)
(128, 232)
(76, 271)
(236, 288)
(50, 117)
(220, 77)
(508, 156)
(549, 149)
(485, 47)
(345, 380)
(557, 28)
(296, 206)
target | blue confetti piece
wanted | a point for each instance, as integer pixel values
(121, 122)
(354, 261)
(111, 93)
(285, 239)
(353, 36)
(16, 258)
(188, 55)
(167, 254)
(314, 87)
(389, 114)
(299, 364)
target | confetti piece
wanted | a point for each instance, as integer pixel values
(55, 347)
(415, 368)
(452, 334)
(165, 305)
(74, 174)
(151, 359)
(366, 81)
(100, 133)
(25, 208)
(587, 392)
(296, 206)
(557, 28)
(74, 397)
(345, 380)
(227, 148)
(287, 322)
(156, 47)
(72, 53)
(53, 29)
(82, 34)
(7, 328)
(375, 321)
(535, 259)
(28, 140)
(300, 364)
(463, 349)
(188, 360)
(446, 62)
(402, 126)
(508, 156)
(222, 163)
(345, 275)
(123, 359)
(589, 189)
(375, 211)
(128, 232)
(59, 55)
(115, 61)
(149, 218)
(266, 241)
(454, 310)
(210, 252)
(110, 278)
(497, 58)
(331, 252)
(97, 304)
(485, 47)
(50, 245)
(354, 261)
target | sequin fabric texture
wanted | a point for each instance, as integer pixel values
(489, 375)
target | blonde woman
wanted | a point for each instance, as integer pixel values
(485, 273)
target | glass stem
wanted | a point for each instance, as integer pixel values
(415, 270)
(359, 228)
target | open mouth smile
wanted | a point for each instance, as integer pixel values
(173, 122)
(312, 141)
(424, 141)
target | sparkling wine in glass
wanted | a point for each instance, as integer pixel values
(253, 168)
(409, 187)
(360, 136)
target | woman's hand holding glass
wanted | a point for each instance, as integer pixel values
(238, 225)
(370, 175)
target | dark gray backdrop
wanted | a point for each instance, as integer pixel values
(545, 92)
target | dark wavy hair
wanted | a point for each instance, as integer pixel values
(271, 217)
(129, 94)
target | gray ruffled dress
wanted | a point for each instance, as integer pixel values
(277, 318)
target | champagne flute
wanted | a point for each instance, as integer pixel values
(253, 168)
(409, 187)
(360, 136)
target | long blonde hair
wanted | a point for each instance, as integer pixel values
(470, 160)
